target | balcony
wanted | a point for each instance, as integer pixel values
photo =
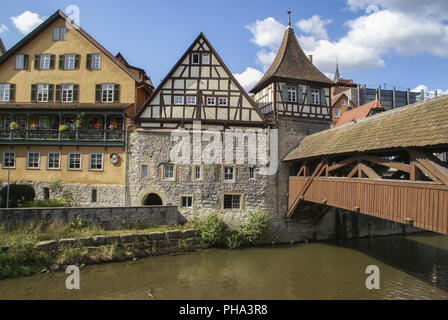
(112, 137)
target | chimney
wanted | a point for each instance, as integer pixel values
(310, 57)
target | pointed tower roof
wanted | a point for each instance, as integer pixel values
(2, 48)
(291, 63)
(337, 74)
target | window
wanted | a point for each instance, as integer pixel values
(349, 108)
(74, 161)
(315, 96)
(46, 192)
(251, 173)
(96, 161)
(195, 58)
(186, 202)
(33, 160)
(205, 58)
(95, 63)
(5, 90)
(108, 92)
(59, 34)
(69, 62)
(178, 100)
(232, 201)
(20, 62)
(197, 173)
(292, 94)
(53, 160)
(67, 92)
(144, 171)
(168, 172)
(223, 101)
(42, 92)
(211, 101)
(336, 113)
(44, 61)
(229, 174)
(9, 159)
(191, 100)
(94, 195)
(343, 102)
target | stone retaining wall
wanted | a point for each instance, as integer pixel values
(107, 218)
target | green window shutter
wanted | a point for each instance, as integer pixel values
(284, 93)
(88, 61)
(58, 95)
(52, 58)
(323, 98)
(299, 94)
(50, 92)
(61, 61)
(116, 93)
(12, 91)
(98, 93)
(308, 95)
(26, 59)
(36, 61)
(77, 61)
(75, 92)
(33, 92)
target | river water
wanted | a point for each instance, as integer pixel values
(411, 267)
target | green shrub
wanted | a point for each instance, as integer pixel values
(78, 224)
(253, 230)
(212, 229)
(18, 195)
(233, 239)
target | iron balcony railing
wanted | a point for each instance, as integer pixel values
(93, 135)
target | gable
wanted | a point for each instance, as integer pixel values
(201, 88)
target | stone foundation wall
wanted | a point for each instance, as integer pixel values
(107, 218)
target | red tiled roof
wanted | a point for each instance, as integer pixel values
(359, 112)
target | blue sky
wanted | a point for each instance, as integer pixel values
(402, 43)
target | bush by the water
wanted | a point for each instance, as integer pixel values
(18, 195)
(215, 231)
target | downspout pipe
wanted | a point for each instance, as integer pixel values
(126, 165)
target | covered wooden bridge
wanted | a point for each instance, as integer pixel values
(390, 165)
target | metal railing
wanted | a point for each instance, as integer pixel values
(93, 135)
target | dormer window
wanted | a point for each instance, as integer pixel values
(195, 58)
(205, 58)
(59, 34)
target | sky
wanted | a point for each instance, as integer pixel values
(388, 43)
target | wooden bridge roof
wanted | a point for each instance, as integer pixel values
(423, 124)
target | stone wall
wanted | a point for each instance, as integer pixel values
(107, 218)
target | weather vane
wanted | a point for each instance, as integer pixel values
(289, 18)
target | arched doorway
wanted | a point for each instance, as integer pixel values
(152, 199)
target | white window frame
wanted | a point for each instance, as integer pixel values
(67, 92)
(44, 61)
(69, 158)
(48, 160)
(4, 159)
(224, 100)
(147, 171)
(192, 58)
(240, 205)
(251, 171)
(107, 88)
(209, 103)
(292, 94)
(195, 173)
(28, 160)
(43, 90)
(5, 91)
(315, 96)
(20, 62)
(164, 171)
(205, 55)
(191, 100)
(95, 63)
(59, 34)
(336, 113)
(343, 102)
(69, 61)
(187, 206)
(224, 174)
(90, 161)
(178, 100)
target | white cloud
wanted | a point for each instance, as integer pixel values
(429, 93)
(249, 78)
(267, 32)
(27, 21)
(3, 28)
(265, 58)
(314, 26)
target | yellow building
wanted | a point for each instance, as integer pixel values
(65, 104)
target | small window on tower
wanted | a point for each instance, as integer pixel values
(195, 58)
